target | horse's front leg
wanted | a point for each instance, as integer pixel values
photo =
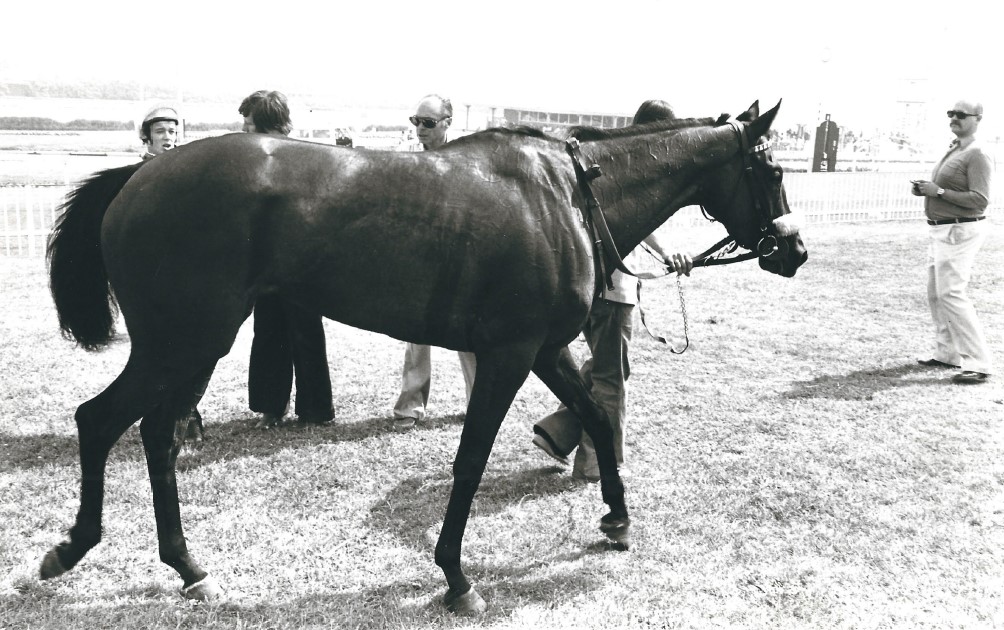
(500, 373)
(556, 369)
(163, 434)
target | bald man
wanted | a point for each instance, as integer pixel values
(955, 201)
(431, 119)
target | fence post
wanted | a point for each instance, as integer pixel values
(29, 222)
(17, 215)
(6, 226)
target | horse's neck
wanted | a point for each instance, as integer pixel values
(648, 178)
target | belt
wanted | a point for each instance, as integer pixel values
(959, 220)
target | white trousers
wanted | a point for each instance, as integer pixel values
(959, 338)
(416, 380)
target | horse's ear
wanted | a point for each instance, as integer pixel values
(750, 114)
(759, 127)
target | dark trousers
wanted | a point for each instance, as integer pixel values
(288, 339)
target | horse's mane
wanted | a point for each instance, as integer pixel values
(589, 133)
(595, 133)
(520, 131)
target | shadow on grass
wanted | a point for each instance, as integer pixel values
(414, 509)
(401, 603)
(864, 384)
(240, 439)
(232, 439)
(28, 452)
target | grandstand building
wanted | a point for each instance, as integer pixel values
(552, 121)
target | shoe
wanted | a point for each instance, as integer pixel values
(543, 441)
(968, 377)
(935, 363)
(404, 424)
(314, 419)
(195, 432)
(269, 420)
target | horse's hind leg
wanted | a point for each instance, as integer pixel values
(556, 369)
(101, 421)
(163, 432)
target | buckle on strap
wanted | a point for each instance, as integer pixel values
(574, 150)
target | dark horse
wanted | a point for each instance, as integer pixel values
(481, 246)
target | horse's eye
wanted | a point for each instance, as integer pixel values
(778, 173)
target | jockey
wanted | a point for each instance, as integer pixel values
(159, 131)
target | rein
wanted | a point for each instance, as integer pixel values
(604, 243)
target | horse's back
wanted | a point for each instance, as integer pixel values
(424, 246)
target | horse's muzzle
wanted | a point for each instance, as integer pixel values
(790, 256)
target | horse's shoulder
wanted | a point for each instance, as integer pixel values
(519, 154)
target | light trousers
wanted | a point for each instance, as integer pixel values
(416, 380)
(608, 332)
(959, 338)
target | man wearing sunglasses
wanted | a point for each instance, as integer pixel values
(432, 118)
(955, 201)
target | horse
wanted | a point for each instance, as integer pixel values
(494, 244)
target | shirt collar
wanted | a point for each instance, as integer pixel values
(964, 143)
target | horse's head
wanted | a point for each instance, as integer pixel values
(747, 196)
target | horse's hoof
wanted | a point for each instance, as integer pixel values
(206, 589)
(618, 530)
(51, 566)
(469, 603)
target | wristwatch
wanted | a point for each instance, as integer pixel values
(941, 191)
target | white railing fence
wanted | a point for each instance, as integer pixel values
(27, 213)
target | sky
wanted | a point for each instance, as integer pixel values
(854, 60)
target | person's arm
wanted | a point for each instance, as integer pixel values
(978, 172)
(679, 262)
(965, 199)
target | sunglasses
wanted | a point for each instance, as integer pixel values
(960, 115)
(428, 123)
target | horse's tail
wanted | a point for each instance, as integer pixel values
(78, 279)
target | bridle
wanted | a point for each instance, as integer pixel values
(768, 246)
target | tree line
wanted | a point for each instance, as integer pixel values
(32, 123)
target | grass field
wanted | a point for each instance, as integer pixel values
(794, 468)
